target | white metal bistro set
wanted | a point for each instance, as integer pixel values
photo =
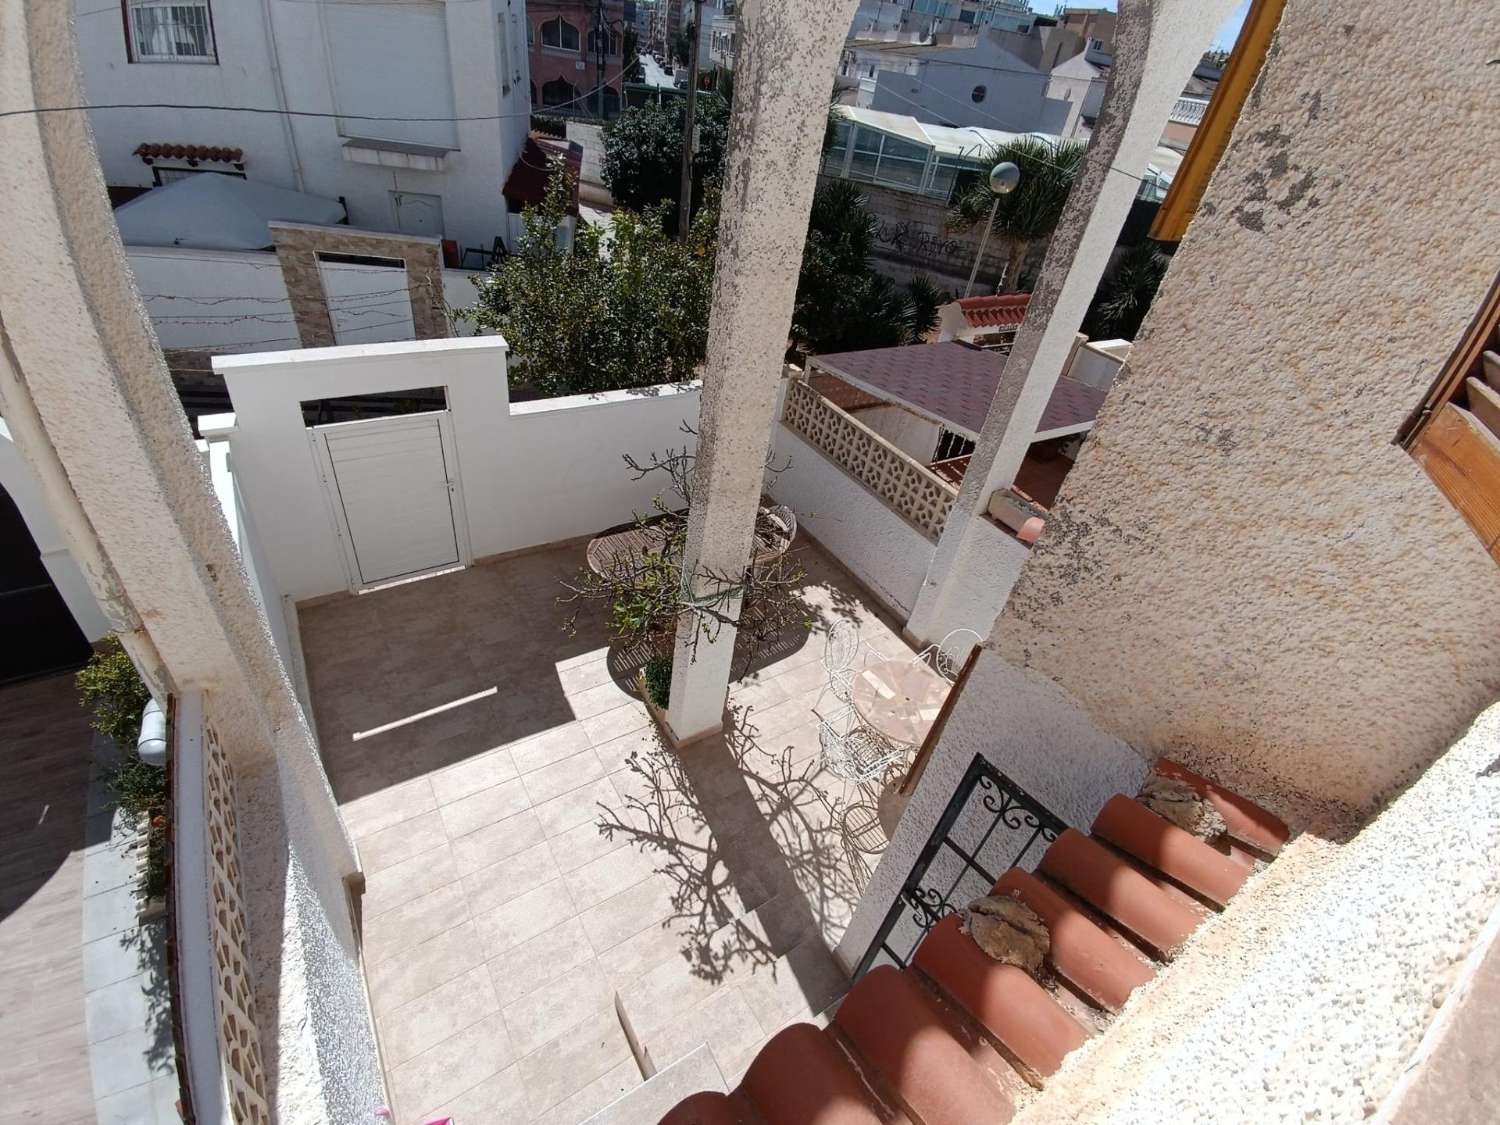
(876, 710)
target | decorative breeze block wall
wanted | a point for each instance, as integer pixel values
(239, 1034)
(913, 491)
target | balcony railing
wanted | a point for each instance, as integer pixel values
(913, 491)
(1189, 111)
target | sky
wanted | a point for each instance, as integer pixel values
(1225, 38)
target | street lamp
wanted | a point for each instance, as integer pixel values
(1003, 181)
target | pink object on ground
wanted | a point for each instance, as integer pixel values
(1031, 530)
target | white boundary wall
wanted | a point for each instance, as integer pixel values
(236, 301)
(532, 473)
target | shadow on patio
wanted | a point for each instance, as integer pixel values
(538, 862)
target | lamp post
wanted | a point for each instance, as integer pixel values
(1003, 181)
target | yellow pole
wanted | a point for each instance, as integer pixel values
(1212, 137)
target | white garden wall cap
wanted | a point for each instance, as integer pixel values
(211, 426)
(604, 398)
(395, 349)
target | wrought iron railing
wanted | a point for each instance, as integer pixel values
(991, 824)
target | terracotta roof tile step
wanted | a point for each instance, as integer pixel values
(894, 1026)
(802, 1078)
(1247, 822)
(1107, 882)
(1027, 1023)
(1176, 853)
(1083, 954)
(707, 1108)
(995, 312)
(191, 152)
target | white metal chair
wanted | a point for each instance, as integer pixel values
(849, 749)
(840, 649)
(948, 655)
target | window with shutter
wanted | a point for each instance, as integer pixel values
(1455, 433)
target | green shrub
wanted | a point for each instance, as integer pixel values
(139, 788)
(110, 687)
(659, 680)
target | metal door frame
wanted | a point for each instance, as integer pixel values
(318, 436)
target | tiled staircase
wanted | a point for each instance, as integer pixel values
(959, 1038)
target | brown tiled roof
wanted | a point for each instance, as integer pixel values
(1005, 311)
(842, 394)
(154, 150)
(1132, 875)
(952, 383)
(526, 186)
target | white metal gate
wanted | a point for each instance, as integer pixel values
(393, 487)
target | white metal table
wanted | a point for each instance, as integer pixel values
(899, 699)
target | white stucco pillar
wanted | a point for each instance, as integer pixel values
(91, 407)
(1157, 45)
(789, 50)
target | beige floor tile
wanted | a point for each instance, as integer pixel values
(494, 842)
(485, 807)
(618, 1081)
(437, 1015)
(718, 861)
(378, 811)
(629, 960)
(598, 699)
(618, 753)
(408, 880)
(584, 844)
(581, 677)
(550, 746)
(579, 994)
(562, 777)
(612, 724)
(511, 878)
(523, 918)
(451, 1068)
(588, 803)
(400, 842)
(499, 1100)
(468, 778)
(603, 878)
(537, 962)
(408, 926)
(420, 969)
(629, 912)
(572, 1060)
(724, 1021)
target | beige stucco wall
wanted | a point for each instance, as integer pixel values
(1243, 570)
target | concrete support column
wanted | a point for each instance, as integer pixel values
(1157, 45)
(92, 409)
(789, 50)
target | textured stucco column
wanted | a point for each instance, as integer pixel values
(298, 246)
(1157, 45)
(91, 407)
(776, 137)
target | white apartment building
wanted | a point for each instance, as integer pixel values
(412, 113)
(929, 17)
(991, 79)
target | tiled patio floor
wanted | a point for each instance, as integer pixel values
(533, 852)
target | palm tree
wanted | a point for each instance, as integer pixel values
(1032, 210)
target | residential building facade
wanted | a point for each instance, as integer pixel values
(1228, 719)
(929, 17)
(989, 78)
(577, 55)
(414, 114)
